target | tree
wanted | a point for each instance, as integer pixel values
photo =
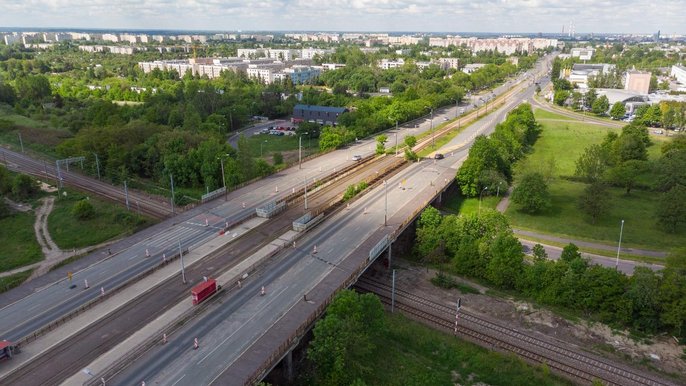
(600, 105)
(594, 201)
(539, 252)
(618, 110)
(7, 94)
(531, 194)
(630, 147)
(560, 97)
(505, 264)
(626, 174)
(410, 141)
(83, 210)
(5, 180)
(671, 170)
(590, 97)
(592, 164)
(24, 186)
(570, 252)
(343, 340)
(671, 210)
(381, 143)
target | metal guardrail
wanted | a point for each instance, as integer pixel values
(270, 209)
(212, 195)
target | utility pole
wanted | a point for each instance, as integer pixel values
(97, 164)
(226, 193)
(126, 194)
(183, 272)
(396, 137)
(171, 178)
(619, 246)
(393, 294)
(385, 214)
(21, 142)
(305, 193)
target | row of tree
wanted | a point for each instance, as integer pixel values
(489, 164)
(484, 247)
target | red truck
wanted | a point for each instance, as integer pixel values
(7, 349)
(203, 290)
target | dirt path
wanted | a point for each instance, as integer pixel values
(53, 254)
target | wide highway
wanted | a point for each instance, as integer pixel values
(229, 329)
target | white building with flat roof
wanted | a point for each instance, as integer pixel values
(583, 53)
(386, 64)
(679, 73)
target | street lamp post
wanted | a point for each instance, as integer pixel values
(497, 193)
(226, 193)
(480, 195)
(457, 102)
(396, 137)
(262, 143)
(300, 150)
(433, 135)
(305, 193)
(385, 213)
(619, 246)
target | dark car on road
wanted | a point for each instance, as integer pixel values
(438, 156)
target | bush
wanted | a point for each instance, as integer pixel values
(24, 186)
(278, 158)
(83, 210)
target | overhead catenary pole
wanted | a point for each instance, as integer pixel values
(126, 194)
(21, 142)
(171, 178)
(183, 271)
(226, 193)
(97, 164)
(393, 293)
(385, 214)
(305, 193)
(396, 137)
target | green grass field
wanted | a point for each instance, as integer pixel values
(282, 143)
(18, 240)
(458, 204)
(36, 135)
(417, 355)
(109, 222)
(565, 142)
(11, 281)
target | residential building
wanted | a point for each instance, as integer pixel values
(114, 38)
(332, 66)
(446, 63)
(323, 115)
(679, 73)
(580, 73)
(472, 67)
(310, 53)
(302, 74)
(583, 53)
(386, 64)
(638, 82)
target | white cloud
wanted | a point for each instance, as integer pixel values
(351, 15)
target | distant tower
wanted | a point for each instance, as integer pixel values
(571, 28)
(563, 29)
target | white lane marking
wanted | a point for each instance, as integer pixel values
(179, 380)
(243, 325)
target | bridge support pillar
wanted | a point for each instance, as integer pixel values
(288, 366)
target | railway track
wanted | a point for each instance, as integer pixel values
(57, 364)
(578, 366)
(147, 204)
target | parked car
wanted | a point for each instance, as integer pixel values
(357, 157)
(446, 118)
(438, 156)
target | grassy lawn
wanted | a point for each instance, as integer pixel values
(37, 135)
(565, 142)
(459, 204)
(417, 355)
(545, 114)
(110, 221)
(11, 281)
(18, 240)
(275, 143)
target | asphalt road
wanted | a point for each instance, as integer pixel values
(230, 329)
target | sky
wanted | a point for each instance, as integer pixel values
(506, 16)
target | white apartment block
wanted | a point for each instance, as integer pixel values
(283, 54)
(507, 46)
(158, 38)
(110, 38)
(472, 67)
(583, 53)
(128, 38)
(251, 53)
(446, 63)
(679, 73)
(386, 64)
(332, 66)
(310, 53)
(404, 40)
(12, 39)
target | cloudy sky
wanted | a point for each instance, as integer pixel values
(634, 16)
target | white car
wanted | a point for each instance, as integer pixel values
(357, 157)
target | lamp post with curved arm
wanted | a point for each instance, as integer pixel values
(480, 195)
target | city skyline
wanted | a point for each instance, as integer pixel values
(504, 16)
